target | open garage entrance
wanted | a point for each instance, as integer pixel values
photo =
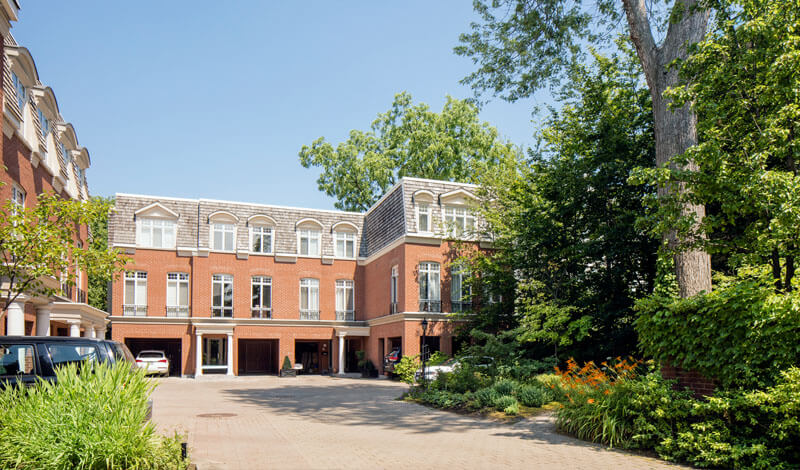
(314, 355)
(258, 356)
(170, 346)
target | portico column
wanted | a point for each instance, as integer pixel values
(341, 353)
(15, 319)
(230, 353)
(43, 320)
(74, 329)
(198, 363)
(88, 331)
(100, 332)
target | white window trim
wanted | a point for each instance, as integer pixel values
(336, 235)
(136, 276)
(451, 228)
(319, 242)
(212, 236)
(430, 217)
(311, 283)
(345, 285)
(181, 279)
(141, 220)
(271, 251)
(225, 279)
(262, 281)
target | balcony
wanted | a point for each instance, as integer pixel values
(309, 314)
(177, 310)
(345, 315)
(392, 308)
(261, 312)
(134, 310)
(434, 306)
(81, 296)
(222, 312)
(461, 306)
(66, 290)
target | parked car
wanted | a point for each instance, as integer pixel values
(153, 362)
(390, 360)
(448, 366)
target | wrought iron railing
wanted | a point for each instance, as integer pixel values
(345, 315)
(222, 312)
(430, 306)
(177, 310)
(134, 310)
(261, 312)
(309, 314)
(81, 296)
(461, 306)
(66, 290)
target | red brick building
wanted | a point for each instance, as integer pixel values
(237, 287)
(41, 154)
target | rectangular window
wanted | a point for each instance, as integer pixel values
(459, 220)
(65, 153)
(345, 301)
(423, 217)
(309, 299)
(345, 245)
(135, 296)
(261, 239)
(308, 242)
(156, 233)
(393, 291)
(215, 353)
(222, 295)
(44, 123)
(261, 303)
(429, 294)
(177, 294)
(460, 292)
(17, 198)
(223, 237)
(20, 89)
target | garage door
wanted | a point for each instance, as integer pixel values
(258, 356)
(170, 346)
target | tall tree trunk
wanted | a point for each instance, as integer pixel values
(676, 130)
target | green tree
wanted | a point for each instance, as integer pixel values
(564, 223)
(38, 245)
(407, 140)
(98, 285)
(520, 46)
(743, 82)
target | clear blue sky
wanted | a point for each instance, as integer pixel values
(215, 99)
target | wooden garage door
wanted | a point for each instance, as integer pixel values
(258, 356)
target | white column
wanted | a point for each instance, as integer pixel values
(100, 332)
(15, 319)
(74, 329)
(88, 331)
(230, 353)
(43, 320)
(341, 354)
(198, 363)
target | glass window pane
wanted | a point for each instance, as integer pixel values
(228, 295)
(256, 296)
(141, 293)
(129, 290)
(183, 294)
(172, 296)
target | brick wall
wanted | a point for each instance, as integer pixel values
(700, 385)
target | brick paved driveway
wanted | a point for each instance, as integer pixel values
(326, 423)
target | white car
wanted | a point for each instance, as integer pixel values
(448, 366)
(153, 362)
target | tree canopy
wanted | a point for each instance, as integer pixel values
(407, 140)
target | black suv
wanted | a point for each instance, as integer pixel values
(23, 359)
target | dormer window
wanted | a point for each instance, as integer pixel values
(65, 153)
(423, 217)
(459, 220)
(344, 240)
(155, 233)
(20, 90)
(262, 234)
(44, 123)
(223, 235)
(309, 237)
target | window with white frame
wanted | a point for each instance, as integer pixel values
(17, 198)
(20, 90)
(424, 217)
(345, 244)
(261, 239)
(65, 153)
(460, 291)
(261, 299)
(345, 300)
(309, 299)
(44, 123)
(393, 290)
(308, 242)
(134, 301)
(429, 288)
(222, 295)
(155, 233)
(224, 236)
(459, 220)
(177, 294)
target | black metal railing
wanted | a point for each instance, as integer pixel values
(261, 312)
(81, 296)
(222, 312)
(66, 290)
(345, 315)
(134, 310)
(461, 306)
(177, 310)
(430, 306)
(309, 314)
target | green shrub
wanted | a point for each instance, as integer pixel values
(406, 368)
(551, 382)
(504, 401)
(512, 410)
(437, 358)
(93, 418)
(504, 387)
(443, 399)
(533, 395)
(287, 364)
(463, 379)
(485, 397)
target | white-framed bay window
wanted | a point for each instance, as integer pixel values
(134, 302)
(222, 295)
(155, 233)
(177, 294)
(309, 299)
(262, 239)
(424, 217)
(429, 287)
(261, 297)
(345, 244)
(223, 236)
(308, 242)
(459, 220)
(345, 300)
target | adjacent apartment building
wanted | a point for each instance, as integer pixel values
(234, 288)
(41, 154)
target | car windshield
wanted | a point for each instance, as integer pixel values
(150, 355)
(450, 362)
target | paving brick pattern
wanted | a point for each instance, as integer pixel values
(327, 423)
